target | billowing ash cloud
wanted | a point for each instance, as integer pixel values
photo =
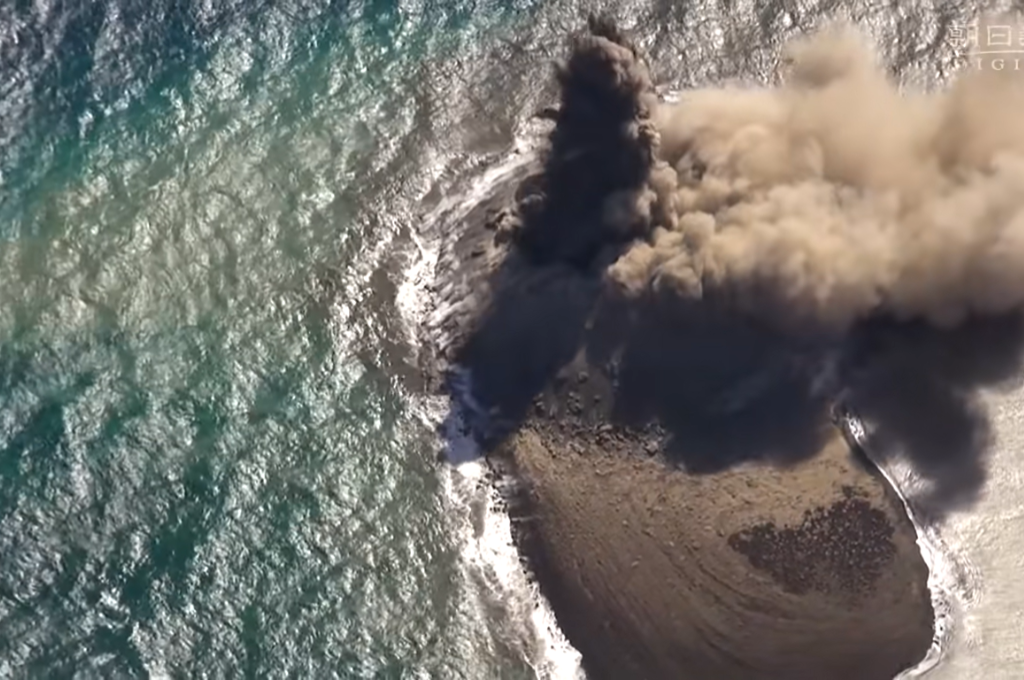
(826, 200)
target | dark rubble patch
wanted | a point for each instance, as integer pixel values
(842, 548)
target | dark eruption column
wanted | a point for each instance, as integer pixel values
(601, 153)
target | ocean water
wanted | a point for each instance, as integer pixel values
(212, 461)
(217, 232)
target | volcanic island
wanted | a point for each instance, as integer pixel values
(685, 500)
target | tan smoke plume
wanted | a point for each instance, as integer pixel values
(836, 196)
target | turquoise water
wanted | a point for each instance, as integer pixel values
(208, 463)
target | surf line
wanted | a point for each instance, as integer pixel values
(856, 434)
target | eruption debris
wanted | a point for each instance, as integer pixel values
(830, 199)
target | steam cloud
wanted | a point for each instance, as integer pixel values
(821, 202)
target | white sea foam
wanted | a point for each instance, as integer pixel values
(421, 310)
(981, 556)
(951, 577)
(489, 558)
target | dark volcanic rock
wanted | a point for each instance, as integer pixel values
(806, 557)
(602, 146)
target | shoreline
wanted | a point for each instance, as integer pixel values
(854, 432)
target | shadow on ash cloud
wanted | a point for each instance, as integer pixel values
(727, 266)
